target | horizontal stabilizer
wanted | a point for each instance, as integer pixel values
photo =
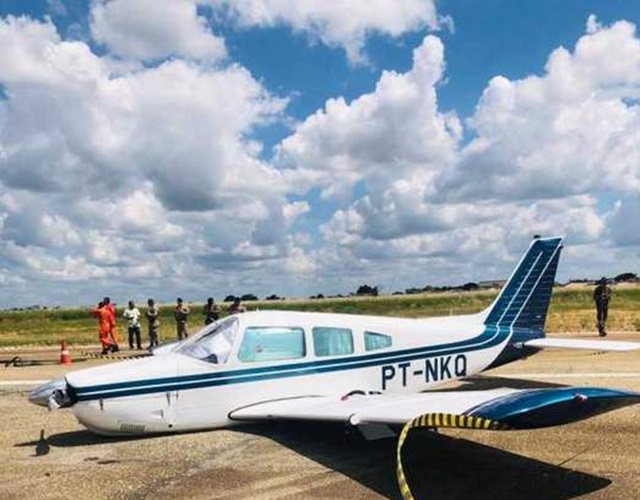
(593, 345)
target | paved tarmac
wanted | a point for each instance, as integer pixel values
(49, 455)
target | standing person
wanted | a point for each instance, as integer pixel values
(153, 317)
(132, 315)
(211, 311)
(601, 296)
(111, 308)
(104, 327)
(237, 307)
(180, 313)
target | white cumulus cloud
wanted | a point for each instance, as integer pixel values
(149, 30)
(546, 149)
(124, 171)
(572, 130)
(394, 131)
(337, 23)
(127, 172)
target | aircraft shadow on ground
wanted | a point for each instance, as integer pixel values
(437, 466)
(487, 382)
(20, 362)
(82, 438)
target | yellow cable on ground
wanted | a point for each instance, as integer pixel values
(433, 421)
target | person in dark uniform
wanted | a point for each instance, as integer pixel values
(211, 311)
(181, 313)
(153, 318)
(601, 296)
(236, 307)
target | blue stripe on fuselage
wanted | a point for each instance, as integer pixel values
(490, 337)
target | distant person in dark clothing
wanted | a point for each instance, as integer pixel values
(236, 307)
(211, 311)
(153, 318)
(601, 296)
(181, 313)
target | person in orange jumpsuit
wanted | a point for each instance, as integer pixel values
(104, 327)
(112, 322)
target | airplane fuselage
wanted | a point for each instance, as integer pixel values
(179, 392)
(261, 357)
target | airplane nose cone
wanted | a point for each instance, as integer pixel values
(40, 395)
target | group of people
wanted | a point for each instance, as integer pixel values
(105, 311)
(210, 311)
(106, 314)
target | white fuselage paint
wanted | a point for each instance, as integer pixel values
(171, 405)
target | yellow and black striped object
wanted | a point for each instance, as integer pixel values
(434, 421)
(123, 356)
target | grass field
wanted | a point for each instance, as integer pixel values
(571, 310)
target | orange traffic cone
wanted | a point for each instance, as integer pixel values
(65, 357)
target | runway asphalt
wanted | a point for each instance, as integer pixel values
(49, 455)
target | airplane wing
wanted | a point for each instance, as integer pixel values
(593, 345)
(363, 409)
(512, 408)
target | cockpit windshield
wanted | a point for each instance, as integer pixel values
(213, 343)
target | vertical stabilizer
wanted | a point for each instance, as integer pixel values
(524, 300)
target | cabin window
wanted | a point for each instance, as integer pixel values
(271, 343)
(328, 341)
(373, 341)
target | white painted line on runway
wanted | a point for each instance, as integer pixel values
(571, 375)
(5, 383)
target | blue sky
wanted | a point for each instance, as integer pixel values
(210, 147)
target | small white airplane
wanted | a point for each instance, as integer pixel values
(365, 371)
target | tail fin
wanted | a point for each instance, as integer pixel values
(524, 300)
